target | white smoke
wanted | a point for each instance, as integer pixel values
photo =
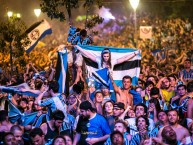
(105, 13)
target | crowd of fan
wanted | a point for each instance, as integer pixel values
(89, 115)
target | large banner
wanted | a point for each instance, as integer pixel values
(145, 32)
(130, 67)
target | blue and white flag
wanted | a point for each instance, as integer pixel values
(23, 119)
(130, 67)
(36, 32)
(17, 89)
(61, 71)
(102, 76)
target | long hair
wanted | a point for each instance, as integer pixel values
(105, 51)
(104, 112)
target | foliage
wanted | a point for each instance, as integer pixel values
(54, 8)
(96, 19)
(12, 33)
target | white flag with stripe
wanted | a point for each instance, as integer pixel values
(36, 32)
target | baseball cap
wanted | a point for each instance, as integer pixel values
(119, 105)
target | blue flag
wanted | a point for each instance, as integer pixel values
(102, 76)
(61, 71)
(23, 119)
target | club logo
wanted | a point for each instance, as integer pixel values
(88, 124)
(35, 34)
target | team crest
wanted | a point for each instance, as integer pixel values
(88, 124)
(35, 34)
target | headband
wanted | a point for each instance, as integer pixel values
(105, 51)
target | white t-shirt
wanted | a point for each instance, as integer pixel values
(133, 128)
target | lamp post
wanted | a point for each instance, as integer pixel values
(10, 14)
(37, 12)
(134, 4)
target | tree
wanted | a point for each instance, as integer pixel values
(55, 10)
(13, 39)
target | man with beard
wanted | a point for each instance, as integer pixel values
(122, 94)
(173, 118)
(166, 91)
(52, 128)
(37, 136)
(92, 128)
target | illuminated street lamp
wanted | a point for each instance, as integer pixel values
(37, 12)
(9, 14)
(18, 15)
(134, 4)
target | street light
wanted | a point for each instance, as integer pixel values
(18, 15)
(9, 14)
(134, 4)
(37, 12)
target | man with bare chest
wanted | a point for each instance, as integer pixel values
(122, 94)
(181, 132)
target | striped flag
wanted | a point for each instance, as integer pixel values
(131, 67)
(36, 32)
(23, 119)
(102, 76)
(61, 71)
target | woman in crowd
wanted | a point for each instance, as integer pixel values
(106, 61)
(108, 113)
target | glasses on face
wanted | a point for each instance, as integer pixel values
(116, 109)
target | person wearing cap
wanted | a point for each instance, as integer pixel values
(118, 109)
(92, 128)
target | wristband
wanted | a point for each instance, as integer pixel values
(44, 92)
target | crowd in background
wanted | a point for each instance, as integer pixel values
(88, 115)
